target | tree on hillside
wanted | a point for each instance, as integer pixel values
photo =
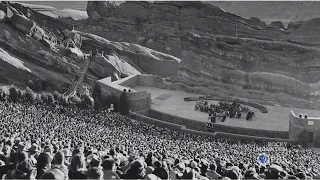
(13, 94)
(124, 104)
(30, 95)
(50, 98)
(19, 95)
(87, 101)
(2, 95)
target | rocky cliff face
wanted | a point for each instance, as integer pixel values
(159, 25)
(198, 47)
(220, 52)
(36, 47)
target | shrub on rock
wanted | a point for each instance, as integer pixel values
(13, 94)
(30, 95)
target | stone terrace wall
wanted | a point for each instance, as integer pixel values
(240, 137)
(106, 89)
(139, 101)
(189, 123)
(201, 126)
(145, 119)
(146, 80)
(131, 82)
(155, 122)
(252, 132)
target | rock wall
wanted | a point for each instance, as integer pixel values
(132, 58)
(220, 52)
(157, 24)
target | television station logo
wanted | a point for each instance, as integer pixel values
(263, 158)
(273, 147)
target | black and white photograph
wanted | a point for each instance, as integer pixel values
(193, 90)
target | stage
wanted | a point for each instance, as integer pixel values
(171, 102)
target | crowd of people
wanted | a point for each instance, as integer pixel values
(52, 142)
(224, 110)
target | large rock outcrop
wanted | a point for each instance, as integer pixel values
(54, 53)
(133, 56)
(221, 53)
(157, 25)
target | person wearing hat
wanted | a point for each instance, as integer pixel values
(159, 170)
(126, 167)
(212, 173)
(189, 174)
(53, 174)
(23, 170)
(149, 170)
(177, 171)
(95, 173)
(109, 169)
(77, 168)
(5, 155)
(67, 156)
(94, 161)
(58, 163)
(136, 170)
(232, 174)
(43, 164)
(34, 152)
(152, 177)
(274, 172)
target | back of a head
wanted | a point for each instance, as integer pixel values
(157, 164)
(24, 170)
(232, 174)
(54, 174)
(22, 156)
(152, 177)
(301, 175)
(59, 158)
(43, 160)
(108, 164)
(95, 173)
(188, 174)
(77, 163)
(274, 172)
(213, 167)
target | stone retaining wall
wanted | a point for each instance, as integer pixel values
(153, 121)
(160, 123)
(201, 126)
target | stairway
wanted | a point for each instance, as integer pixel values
(79, 77)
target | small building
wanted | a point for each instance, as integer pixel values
(303, 123)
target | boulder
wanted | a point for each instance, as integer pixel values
(277, 24)
(95, 16)
(294, 25)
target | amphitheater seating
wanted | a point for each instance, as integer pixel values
(241, 101)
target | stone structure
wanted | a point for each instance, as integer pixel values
(138, 101)
(297, 125)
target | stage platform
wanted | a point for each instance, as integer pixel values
(171, 102)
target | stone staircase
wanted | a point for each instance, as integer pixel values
(79, 77)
